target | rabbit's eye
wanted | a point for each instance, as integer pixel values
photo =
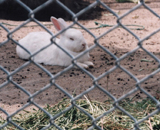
(72, 39)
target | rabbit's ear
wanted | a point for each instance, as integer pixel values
(59, 24)
(62, 23)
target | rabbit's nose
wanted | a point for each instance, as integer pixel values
(83, 44)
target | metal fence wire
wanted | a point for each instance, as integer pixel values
(74, 63)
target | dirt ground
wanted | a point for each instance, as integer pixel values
(75, 81)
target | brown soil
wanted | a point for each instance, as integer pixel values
(75, 81)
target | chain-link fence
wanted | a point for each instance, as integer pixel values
(95, 84)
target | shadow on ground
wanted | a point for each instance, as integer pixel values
(10, 10)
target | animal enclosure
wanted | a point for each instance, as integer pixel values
(124, 46)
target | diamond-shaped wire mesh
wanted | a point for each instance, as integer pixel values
(95, 80)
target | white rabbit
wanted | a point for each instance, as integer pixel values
(71, 40)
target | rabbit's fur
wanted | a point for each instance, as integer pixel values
(71, 40)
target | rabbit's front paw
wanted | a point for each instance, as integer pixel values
(89, 63)
(83, 65)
